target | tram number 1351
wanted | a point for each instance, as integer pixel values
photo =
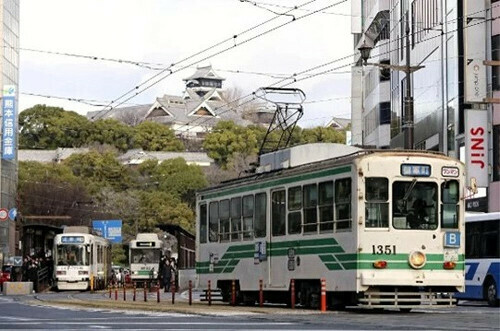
(381, 249)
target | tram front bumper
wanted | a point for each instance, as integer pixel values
(416, 278)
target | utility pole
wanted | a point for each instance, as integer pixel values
(408, 115)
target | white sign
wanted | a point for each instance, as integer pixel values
(4, 214)
(475, 51)
(476, 147)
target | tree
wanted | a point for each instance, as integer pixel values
(52, 190)
(111, 132)
(162, 208)
(99, 171)
(44, 127)
(174, 176)
(321, 134)
(228, 139)
(152, 136)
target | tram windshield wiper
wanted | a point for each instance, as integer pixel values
(408, 192)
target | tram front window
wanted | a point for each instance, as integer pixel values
(414, 205)
(145, 256)
(72, 255)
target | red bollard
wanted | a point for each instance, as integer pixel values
(116, 293)
(233, 292)
(145, 294)
(323, 294)
(134, 292)
(158, 293)
(261, 293)
(209, 294)
(190, 292)
(124, 293)
(292, 293)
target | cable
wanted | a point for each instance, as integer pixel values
(233, 38)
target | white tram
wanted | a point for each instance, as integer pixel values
(79, 258)
(383, 228)
(145, 253)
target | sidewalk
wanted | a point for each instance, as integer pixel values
(101, 299)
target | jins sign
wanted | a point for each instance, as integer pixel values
(476, 147)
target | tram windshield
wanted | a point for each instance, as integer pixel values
(139, 255)
(72, 255)
(415, 205)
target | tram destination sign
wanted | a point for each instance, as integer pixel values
(145, 244)
(415, 170)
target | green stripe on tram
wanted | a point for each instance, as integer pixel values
(277, 182)
(330, 253)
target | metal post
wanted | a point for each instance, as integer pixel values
(209, 294)
(145, 294)
(408, 122)
(233, 292)
(134, 291)
(158, 293)
(172, 287)
(292, 293)
(109, 286)
(323, 294)
(261, 293)
(190, 292)
(124, 293)
(116, 292)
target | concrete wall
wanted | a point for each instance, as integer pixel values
(17, 288)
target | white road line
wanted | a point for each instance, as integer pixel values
(148, 323)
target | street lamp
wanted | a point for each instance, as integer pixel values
(407, 69)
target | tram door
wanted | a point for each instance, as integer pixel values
(277, 263)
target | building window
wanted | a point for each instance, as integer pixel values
(495, 56)
(384, 113)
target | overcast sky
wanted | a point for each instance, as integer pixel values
(164, 32)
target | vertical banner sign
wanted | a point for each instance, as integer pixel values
(476, 147)
(475, 51)
(9, 122)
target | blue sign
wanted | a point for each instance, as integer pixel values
(9, 122)
(452, 239)
(110, 229)
(13, 214)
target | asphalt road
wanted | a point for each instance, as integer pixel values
(38, 312)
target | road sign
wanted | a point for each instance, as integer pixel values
(109, 229)
(13, 213)
(4, 214)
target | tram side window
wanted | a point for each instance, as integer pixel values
(224, 220)
(213, 223)
(278, 213)
(310, 208)
(342, 204)
(248, 207)
(235, 219)
(295, 210)
(203, 223)
(260, 215)
(325, 204)
(449, 207)
(377, 202)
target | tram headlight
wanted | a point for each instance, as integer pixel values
(417, 260)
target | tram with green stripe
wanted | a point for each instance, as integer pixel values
(384, 228)
(145, 252)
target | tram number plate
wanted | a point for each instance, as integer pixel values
(384, 249)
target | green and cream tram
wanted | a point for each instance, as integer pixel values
(145, 253)
(383, 228)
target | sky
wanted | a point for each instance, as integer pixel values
(60, 38)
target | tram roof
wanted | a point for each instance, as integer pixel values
(319, 165)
